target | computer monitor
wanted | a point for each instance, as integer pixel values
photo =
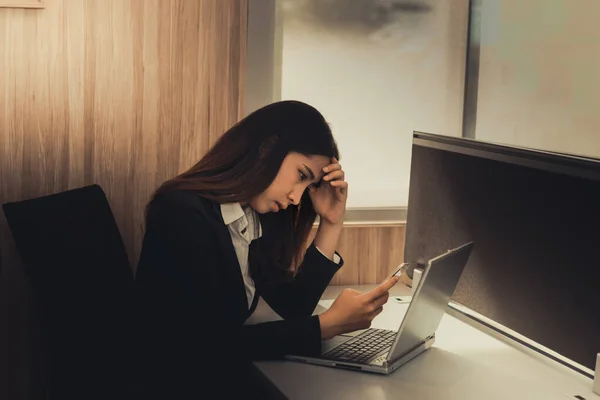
(535, 217)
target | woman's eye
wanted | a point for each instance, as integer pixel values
(303, 176)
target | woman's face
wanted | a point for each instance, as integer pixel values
(296, 174)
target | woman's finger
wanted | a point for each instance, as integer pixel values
(339, 174)
(332, 167)
(339, 184)
(377, 311)
(380, 290)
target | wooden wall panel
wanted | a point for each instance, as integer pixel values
(122, 93)
(370, 252)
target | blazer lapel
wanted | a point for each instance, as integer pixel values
(231, 265)
(254, 261)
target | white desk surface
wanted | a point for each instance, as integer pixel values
(468, 361)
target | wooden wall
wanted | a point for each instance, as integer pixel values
(370, 252)
(122, 93)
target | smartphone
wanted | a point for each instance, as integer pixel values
(395, 271)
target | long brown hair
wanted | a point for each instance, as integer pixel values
(246, 159)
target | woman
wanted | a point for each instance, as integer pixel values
(235, 227)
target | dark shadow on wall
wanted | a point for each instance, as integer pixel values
(362, 17)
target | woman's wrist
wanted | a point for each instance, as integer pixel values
(329, 328)
(327, 223)
(327, 238)
(330, 227)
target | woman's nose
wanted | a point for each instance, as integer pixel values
(293, 199)
(294, 196)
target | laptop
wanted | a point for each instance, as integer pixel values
(383, 351)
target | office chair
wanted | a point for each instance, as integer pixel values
(76, 263)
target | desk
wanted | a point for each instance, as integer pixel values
(468, 361)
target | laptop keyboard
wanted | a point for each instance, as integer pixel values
(363, 347)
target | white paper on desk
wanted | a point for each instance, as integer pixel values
(263, 313)
(323, 305)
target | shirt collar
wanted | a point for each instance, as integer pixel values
(232, 212)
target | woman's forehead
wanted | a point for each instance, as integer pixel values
(315, 160)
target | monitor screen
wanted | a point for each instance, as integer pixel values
(535, 219)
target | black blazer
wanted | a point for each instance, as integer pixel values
(192, 298)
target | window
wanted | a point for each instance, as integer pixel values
(378, 70)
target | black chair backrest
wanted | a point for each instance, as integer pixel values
(70, 238)
(75, 260)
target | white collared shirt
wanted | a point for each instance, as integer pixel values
(244, 227)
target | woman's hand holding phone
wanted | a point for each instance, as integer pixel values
(353, 310)
(395, 271)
